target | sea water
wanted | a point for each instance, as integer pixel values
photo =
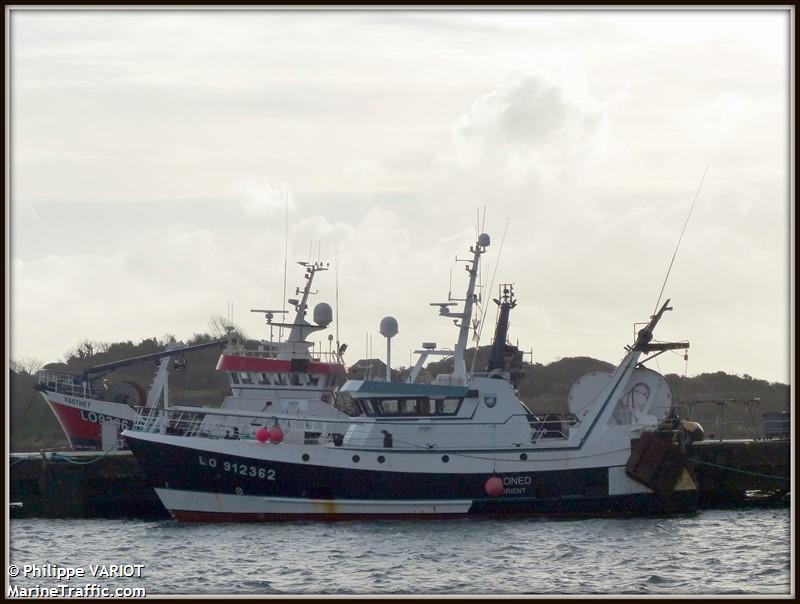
(713, 552)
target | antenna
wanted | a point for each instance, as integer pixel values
(696, 195)
(285, 250)
(337, 297)
(491, 285)
(450, 286)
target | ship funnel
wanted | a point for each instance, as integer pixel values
(323, 314)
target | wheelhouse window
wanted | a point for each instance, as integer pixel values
(368, 408)
(245, 377)
(426, 407)
(234, 377)
(280, 379)
(389, 406)
(448, 406)
(313, 380)
(344, 402)
(408, 407)
(263, 378)
(295, 379)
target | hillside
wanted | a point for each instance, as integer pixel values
(543, 388)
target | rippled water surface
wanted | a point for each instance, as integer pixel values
(713, 552)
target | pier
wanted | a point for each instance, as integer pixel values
(741, 472)
(60, 484)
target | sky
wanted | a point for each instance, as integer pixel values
(158, 156)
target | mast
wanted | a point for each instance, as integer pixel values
(300, 327)
(464, 319)
(296, 345)
(506, 302)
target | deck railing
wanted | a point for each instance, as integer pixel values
(64, 383)
(357, 432)
(315, 355)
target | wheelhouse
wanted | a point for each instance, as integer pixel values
(412, 401)
(248, 371)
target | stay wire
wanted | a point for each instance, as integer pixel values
(696, 195)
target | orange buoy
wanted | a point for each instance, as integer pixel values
(494, 486)
(276, 434)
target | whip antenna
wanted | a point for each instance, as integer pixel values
(337, 302)
(285, 249)
(696, 195)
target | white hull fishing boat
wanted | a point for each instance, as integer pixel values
(464, 444)
(282, 376)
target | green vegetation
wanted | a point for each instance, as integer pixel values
(543, 388)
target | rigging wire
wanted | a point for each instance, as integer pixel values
(696, 195)
(337, 303)
(491, 285)
(567, 333)
(285, 253)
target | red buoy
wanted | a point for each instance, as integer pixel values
(276, 434)
(494, 486)
(262, 434)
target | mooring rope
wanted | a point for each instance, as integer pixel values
(714, 465)
(56, 455)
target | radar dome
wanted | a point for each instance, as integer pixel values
(323, 314)
(483, 240)
(388, 327)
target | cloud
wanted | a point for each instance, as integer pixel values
(364, 175)
(527, 115)
(262, 196)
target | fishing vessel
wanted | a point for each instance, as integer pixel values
(284, 375)
(464, 444)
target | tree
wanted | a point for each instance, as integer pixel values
(220, 327)
(83, 350)
(27, 365)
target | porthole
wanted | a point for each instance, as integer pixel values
(306, 457)
(445, 458)
(356, 459)
(523, 456)
(381, 459)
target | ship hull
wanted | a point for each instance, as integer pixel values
(81, 419)
(208, 486)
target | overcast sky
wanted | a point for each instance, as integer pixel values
(152, 153)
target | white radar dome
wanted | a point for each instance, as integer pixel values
(323, 314)
(388, 327)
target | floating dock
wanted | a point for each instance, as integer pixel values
(50, 484)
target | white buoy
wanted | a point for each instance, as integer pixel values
(388, 330)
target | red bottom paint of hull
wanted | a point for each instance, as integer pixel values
(193, 516)
(83, 427)
(79, 430)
